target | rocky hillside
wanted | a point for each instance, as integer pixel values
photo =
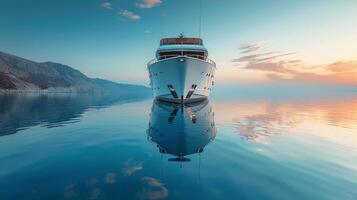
(18, 74)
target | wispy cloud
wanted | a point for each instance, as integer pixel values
(129, 15)
(268, 66)
(251, 47)
(148, 3)
(261, 57)
(340, 66)
(280, 67)
(107, 5)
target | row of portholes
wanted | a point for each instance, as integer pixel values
(155, 74)
(205, 88)
(209, 75)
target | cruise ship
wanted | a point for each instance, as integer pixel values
(181, 72)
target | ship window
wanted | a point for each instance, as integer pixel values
(171, 54)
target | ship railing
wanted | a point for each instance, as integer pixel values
(155, 60)
(211, 62)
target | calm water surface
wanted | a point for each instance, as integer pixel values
(238, 147)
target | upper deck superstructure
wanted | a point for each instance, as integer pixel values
(181, 40)
(173, 47)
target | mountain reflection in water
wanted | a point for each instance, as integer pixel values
(181, 130)
(20, 111)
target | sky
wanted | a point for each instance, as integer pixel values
(252, 42)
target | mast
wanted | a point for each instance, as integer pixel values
(162, 22)
(200, 20)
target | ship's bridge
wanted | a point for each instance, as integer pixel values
(173, 47)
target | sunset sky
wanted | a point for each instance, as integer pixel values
(258, 41)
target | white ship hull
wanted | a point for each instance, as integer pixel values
(181, 79)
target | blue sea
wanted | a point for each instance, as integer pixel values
(241, 144)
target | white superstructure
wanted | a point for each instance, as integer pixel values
(182, 71)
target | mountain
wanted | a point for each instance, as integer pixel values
(21, 75)
(125, 89)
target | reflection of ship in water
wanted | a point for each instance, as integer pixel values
(181, 130)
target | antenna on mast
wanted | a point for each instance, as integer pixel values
(161, 21)
(200, 20)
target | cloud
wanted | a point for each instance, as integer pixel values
(273, 57)
(345, 78)
(148, 3)
(273, 61)
(255, 58)
(343, 66)
(279, 67)
(251, 47)
(107, 5)
(129, 15)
